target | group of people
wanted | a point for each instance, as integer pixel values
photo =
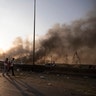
(8, 66)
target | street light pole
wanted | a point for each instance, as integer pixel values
(34, 32)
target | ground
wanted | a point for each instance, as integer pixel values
(41, 84)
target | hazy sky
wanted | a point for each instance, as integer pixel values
(16, 16)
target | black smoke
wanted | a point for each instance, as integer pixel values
(79, 36)
(61, 43)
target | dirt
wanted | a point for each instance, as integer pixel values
(44, 84)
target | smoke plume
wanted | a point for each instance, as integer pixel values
(63, 41)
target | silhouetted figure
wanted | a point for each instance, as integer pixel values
(5, 67)
(12, 66)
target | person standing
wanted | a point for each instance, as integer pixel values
(12, 66)
(5, 67)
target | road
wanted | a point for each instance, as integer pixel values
(39, 84)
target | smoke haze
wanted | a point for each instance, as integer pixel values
(62, 42)
(79, 36)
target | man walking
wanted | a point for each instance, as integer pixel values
(12, 66)
(5, 67)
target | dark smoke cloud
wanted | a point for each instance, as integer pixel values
(61, 43)
(79, 36)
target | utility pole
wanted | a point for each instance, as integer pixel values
(34, 32)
